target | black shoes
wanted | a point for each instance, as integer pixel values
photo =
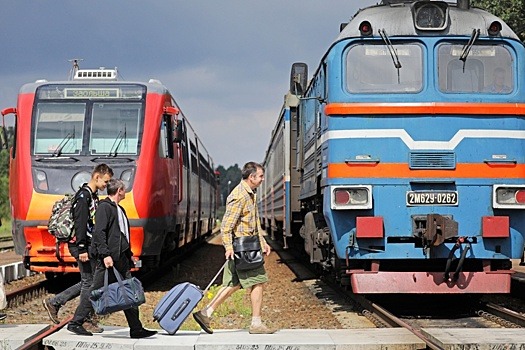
(3, 316)
(78, 330)
(141, 333)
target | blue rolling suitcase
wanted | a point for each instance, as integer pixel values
(174, 307)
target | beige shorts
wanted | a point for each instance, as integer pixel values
(246, 279)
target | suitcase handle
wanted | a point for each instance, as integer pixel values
(180, 309)
(214, 278)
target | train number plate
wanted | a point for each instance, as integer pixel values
(432, 198)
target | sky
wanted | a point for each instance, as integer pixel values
(226, 62)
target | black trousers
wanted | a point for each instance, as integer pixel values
(84, 308)
(123, 267)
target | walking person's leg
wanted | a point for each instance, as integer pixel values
(257, 326)
(84, 308)
(136, 330)
(52, 305)
(255, 280)
(230, 284)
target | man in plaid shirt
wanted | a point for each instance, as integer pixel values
(241, 219)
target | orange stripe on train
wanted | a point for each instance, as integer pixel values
(425, 108)
(402, 170)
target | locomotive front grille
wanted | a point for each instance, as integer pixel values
(432, 160)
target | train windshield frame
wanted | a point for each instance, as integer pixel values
(370, 68)
(488, 68)
(110, 115)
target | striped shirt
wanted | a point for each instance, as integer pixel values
(241, 217)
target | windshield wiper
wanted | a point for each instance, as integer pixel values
(466, 49)
(392, 50)
(57, 159)
(120, 137)
(63, 143)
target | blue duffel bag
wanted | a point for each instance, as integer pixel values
(117, 296)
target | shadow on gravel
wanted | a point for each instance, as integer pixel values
(198, 268)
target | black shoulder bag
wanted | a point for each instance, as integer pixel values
(247, 253)
(247, 250)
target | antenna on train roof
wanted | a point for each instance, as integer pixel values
(75, 67)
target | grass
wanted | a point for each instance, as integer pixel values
(5, 229)
(237, 308)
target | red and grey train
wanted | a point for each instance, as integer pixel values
(65, 128)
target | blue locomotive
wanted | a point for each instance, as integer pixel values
(400, 164)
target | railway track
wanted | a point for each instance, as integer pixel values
(494, 315)
(36, 290)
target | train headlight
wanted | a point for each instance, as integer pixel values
(508, 196)
(351, 197)
(79, 179)
(430, 15)
(494, 28)
(126, 177)
(365, 28)
(41, 180)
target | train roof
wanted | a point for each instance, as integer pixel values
(109, 77)
(154, 86)
(397, 18)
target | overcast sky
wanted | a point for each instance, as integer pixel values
(226, 62)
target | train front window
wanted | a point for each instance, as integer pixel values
(370, 69)
(488, 69)
(115, 128)
(59, 128)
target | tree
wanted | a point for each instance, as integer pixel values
(229, 178)
(511, 12)
(5, 211)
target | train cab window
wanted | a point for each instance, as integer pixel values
(115, 128)
(486, 70)
(370, 69)
(59, 128)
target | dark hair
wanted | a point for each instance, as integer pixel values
(114, 185)
(102, 169)
(250, 168)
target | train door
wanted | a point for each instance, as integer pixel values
(183, 168)
(211, 181)
(193, 187)
(169, 163)
(201, 172)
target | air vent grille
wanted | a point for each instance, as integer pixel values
(432, 160)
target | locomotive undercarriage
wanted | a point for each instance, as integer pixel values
(430, 231)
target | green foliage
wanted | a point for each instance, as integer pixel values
(5, 229)
(234, 310)
(5, 211)
(229, 178)
(4, 198)
(511, 12)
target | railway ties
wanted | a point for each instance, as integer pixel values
(459, 337)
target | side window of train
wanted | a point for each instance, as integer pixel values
(486, 69)
(165, 139)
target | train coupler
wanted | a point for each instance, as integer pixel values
(438, 229)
